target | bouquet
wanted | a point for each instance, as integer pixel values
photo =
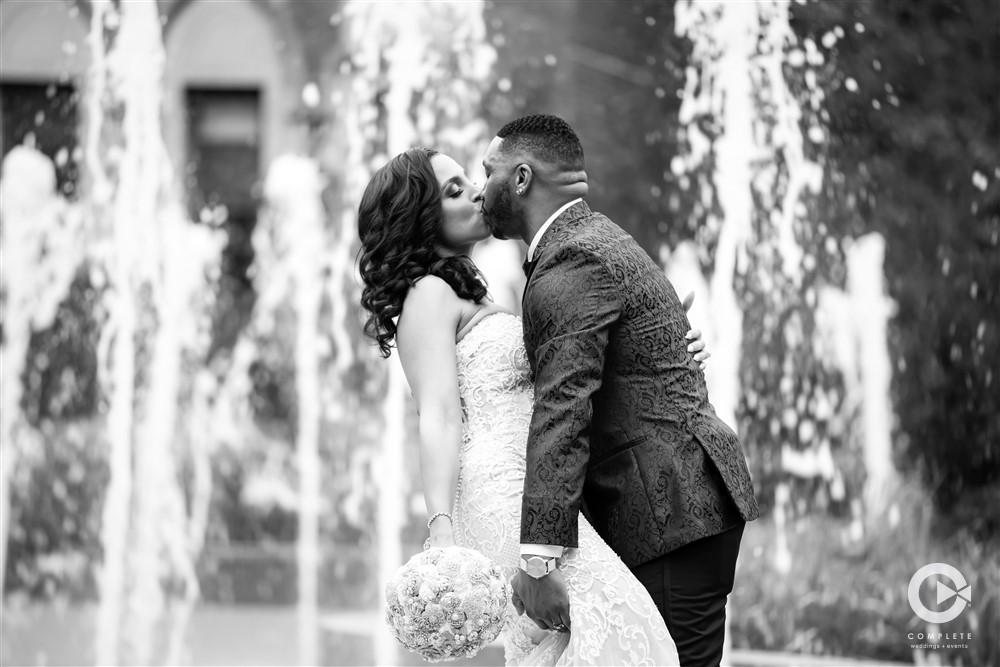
(446, 604)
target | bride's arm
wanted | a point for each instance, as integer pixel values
(425, 339)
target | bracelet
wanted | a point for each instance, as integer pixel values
(436, 515)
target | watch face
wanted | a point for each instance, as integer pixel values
(536, 566)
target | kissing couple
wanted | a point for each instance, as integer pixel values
(575, 446)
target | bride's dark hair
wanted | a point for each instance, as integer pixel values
(399, 222)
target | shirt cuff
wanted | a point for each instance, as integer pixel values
(546, 550)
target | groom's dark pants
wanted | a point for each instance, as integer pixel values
(689, 586)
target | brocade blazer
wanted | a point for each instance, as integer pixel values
(622, 428)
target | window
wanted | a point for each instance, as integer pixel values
(44, 116)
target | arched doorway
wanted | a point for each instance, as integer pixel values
(233, 46)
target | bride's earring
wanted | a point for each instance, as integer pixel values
(520, 191)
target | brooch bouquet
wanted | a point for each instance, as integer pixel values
(446, 604)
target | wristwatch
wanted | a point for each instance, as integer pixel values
(538, 566)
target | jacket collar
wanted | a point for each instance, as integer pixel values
(575, 212)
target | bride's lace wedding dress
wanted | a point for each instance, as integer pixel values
(614, 621)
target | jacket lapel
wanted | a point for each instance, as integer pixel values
(560, 229)
(556, 230)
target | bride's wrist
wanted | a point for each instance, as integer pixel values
(440, 529)
(438, 518)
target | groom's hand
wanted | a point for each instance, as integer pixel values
(544, 600)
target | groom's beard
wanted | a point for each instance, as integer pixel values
(500, 214)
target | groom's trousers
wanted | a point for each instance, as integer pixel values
(689, 586)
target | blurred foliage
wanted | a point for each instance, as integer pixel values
(57, 490)
(61, 373)
(844, 597)
(913, 90)
(57, 494)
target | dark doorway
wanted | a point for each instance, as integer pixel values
(222, 182)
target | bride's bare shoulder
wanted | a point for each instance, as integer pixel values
(431, 299)
(431, 292)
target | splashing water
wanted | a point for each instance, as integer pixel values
(292, 189)
(724, 83)
(748, 160)
(869, 321)
(150, 268)
(735, 79)
(35, 279)
(156, 265)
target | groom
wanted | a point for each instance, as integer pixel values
(622, 428)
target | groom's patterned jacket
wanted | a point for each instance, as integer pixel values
(622, 427)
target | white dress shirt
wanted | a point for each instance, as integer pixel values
(544, 228)
(545, 549)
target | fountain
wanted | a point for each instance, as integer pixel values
(156, 266)
(294, 235)
(765, 259)
(36, 279)
(149, 267)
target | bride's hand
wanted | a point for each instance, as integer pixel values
(441, 533)
(697, 345)
(441, 542)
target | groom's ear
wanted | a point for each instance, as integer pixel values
(522, 178)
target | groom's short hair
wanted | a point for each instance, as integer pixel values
(549, 138)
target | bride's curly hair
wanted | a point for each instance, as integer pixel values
(399, 222)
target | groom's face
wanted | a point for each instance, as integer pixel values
(498, 204)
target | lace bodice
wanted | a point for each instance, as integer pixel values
(614, 620)
(495, 386)
(494, 376)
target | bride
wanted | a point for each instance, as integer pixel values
(466, 365)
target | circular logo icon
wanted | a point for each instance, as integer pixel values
(962, 592)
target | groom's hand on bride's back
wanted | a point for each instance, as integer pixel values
(544, 600)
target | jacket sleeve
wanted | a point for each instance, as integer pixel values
(574, 302)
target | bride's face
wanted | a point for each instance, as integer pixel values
(462, 224)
